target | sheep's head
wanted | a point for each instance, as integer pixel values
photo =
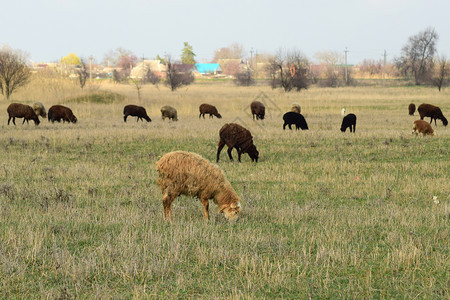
(219, 116)
(253, 153)
(74, 119)
(231, 212)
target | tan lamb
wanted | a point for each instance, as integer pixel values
(422, 127)
(187, 173)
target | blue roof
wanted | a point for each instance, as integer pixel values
(208, 68)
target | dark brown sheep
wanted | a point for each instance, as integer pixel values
(412, 109)
(258, 110)
(59, 112)
(18, 110)
(434, 112)
(135, 111)
(235, 136)
(208, 109)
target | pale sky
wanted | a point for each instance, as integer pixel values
(50, 29)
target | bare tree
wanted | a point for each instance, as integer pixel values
(14, 72)
(417, 55)
(82, 74)
(234, 51)
(176, 76)
(442, 71)
(116, 76)
(146, 76)
(244, 78)
(289, 71)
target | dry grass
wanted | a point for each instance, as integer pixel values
(325, 214)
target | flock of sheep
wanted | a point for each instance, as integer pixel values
(55, 113)
(186, 173)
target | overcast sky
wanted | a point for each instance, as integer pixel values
(50, 29)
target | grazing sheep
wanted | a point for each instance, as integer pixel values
(235, 136)
(186, 173)
(258, 110)
(169, 112)
(412, 109)
(294, 118)
(135, 111)
(208, 109)
(18, 110)
(423, 127)
(434, 112)
(39, 109)
(59, 112)
(296, 108)
(349, 121)
(343, 111)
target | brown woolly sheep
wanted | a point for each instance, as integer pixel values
(59, 112)
(235, 136)
(412, 109)
(208, 109)
(186, 173)
(434, 112)
(296, 108)
(135, 111)
(258, 109)
(18, 110)
(39, 109)
(423, 127)
(169, 112)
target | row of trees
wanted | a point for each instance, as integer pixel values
(289, 70)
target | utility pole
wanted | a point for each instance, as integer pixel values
(346, 71)
(384, 68)
(251, 57)
(256, 64)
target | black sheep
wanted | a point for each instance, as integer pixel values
(412, 109)
(349, 121)
(58, 112)
(135, 111)
(434, 112)
(294, 118)
(235, 136)
(258, 110)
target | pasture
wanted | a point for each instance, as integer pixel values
(325, 214)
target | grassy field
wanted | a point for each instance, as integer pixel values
(325, 214)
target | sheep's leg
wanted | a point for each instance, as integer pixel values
(220, 147)
(14, 121)
(24, 119)
(229, 153)
(239, 154)
(205, 203)
(284, 126)
(125, 118)
(167, 203)
(9, 120)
